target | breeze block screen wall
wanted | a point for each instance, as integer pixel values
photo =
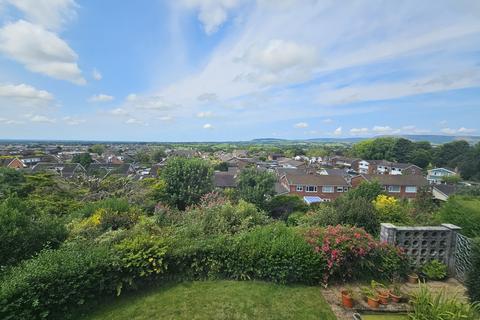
(423, 244)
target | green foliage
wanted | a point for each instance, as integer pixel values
(24, 232)
(435, 270)
(97, 148)
(57, 282)
(473, 276)
(421, 157)
(280, 207)
(428, 305)
(375, 149)
(158, 154)
(223, 218)
(449, 154)
(401, 150)
(142, 256)
(186, 181)
(221, 166)
(256, 187)
(321, 216)
(275, 253)
(352, 253)
(110, 204)
(367, 190)
(451, 179)
(463, 211)
(357, 212)
(83, 158)
(11, 182)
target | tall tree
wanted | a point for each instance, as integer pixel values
(401, 149)
(449, 154)
(256, 187)
(186, 181)
(84, 159)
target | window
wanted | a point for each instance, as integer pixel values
(339, 189)
(393, 188)
(327, 189)
(311, 188)
(299, 188)
(411, 189)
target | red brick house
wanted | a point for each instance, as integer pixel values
(398, 186)
(12, 163)
(326, 187)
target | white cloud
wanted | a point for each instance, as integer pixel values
(40, 118)
(51, 14)
(40, 51)
(328, 120)
(148, 102)
(207, 126)
(301, 125)
(461, 130)
(358, 131)
(212, 13)
(207, 97)
(466, 130)
(136, 121)
(165, 118)
(448, 131)
(382, 129)
(96, 75)
(100, 98)
(24, 92)
(205, 114)
(338, 131)
(119, 112)
(73, 121)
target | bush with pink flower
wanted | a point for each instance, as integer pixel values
(352, 253)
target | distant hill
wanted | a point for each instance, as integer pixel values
(434, 139)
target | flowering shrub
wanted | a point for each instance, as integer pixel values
(389, 209)
(352, 253)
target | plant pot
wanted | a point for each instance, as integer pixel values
(395, 298)
(413, 278)
(373, 303)
(383, 298)
(347, 300)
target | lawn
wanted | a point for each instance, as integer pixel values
(219, 300)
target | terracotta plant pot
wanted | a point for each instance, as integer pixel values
(395, 298)
(413, 278)
(373, 303)
(383, 298)
(347, 300)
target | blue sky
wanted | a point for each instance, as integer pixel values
(216, 70)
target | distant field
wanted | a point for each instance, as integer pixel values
(219, 300)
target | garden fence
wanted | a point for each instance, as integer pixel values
(422, 244)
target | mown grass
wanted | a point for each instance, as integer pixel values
(219, 300)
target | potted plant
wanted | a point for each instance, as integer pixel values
(395, 293)
(383, 292)
(371, 296)
(347, 298)
(434, 270)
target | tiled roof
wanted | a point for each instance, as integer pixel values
(397, 180)
(315, 180)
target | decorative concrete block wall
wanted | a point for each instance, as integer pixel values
(423, 244)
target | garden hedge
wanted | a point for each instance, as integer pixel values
(56, 282)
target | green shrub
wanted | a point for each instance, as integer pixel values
(323, 215)
(280, 207)
(56, 282)
(110, 204)
(473, 276)
(24, 232)
(294, 218)
(142, 256)
(352, 253)
(428, 306)
(275, 253)
(463, 211)
(224, 218)
(435, 270)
